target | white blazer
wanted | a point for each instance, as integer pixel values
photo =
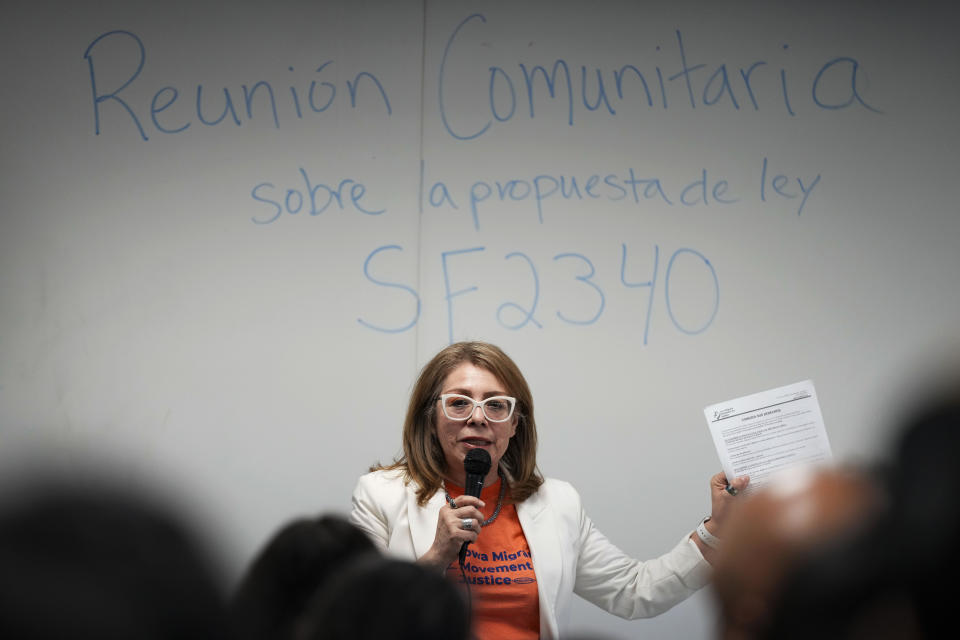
(569, 554)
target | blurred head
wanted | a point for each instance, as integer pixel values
(926, 476)
(425, 458)
(91, 562)
(378, 597)
(774, 529)
(924, 531)
(296, 561)
(894, 579)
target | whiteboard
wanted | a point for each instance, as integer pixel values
(229, 238)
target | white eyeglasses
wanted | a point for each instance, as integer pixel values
(458, 407)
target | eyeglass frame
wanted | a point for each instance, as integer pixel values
(477, 403)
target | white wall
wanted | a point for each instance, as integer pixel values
(151, 306)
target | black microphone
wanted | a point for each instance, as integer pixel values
(477, 466)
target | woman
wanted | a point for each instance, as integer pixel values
(531, 544)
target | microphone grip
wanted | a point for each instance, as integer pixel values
(474, 486)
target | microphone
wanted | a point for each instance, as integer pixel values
(477, 466)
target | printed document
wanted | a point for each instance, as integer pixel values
(764, 433)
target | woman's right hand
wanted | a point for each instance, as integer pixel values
(450, 532)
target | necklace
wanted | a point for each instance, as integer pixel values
(496, 512)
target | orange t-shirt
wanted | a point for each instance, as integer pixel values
(500, 576)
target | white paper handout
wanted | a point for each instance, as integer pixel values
(764, 433)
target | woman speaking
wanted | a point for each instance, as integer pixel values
(531, 545)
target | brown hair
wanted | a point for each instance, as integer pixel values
(423, 461)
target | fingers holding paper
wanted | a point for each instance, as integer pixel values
(723, 493)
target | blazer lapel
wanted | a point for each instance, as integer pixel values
(541, 533)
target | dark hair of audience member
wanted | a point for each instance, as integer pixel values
(376, 598)
(89, 562)
(926, 509)
(293, 564)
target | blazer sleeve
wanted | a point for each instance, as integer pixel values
(629, 588)
(371, 506)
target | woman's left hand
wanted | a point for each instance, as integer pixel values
(722, 499)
